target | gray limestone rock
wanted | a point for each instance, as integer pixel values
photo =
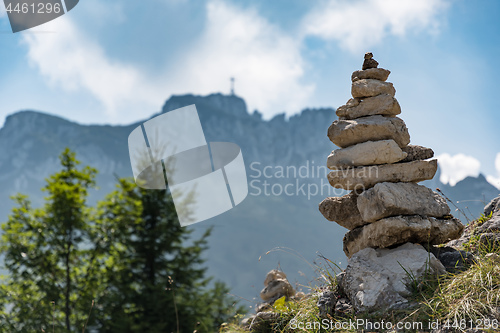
(380, 74)
(366, 153)
(397, 230)
(383, 104)
(343, 210)
(376, 279)
(369, 88)
(416, 153)
(363, 178)
(345, 133)
(391, 199)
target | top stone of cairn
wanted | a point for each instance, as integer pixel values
(369, 61)
(370, 70)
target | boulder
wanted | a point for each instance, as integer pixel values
(383, 104)
(456, 261)
(391, 199)
(376, 279)
(362, 178)
(380, 74)
(345, 133)
(366, 153)
(416, 153)
(369, 88)
(401, 229)
(343, 210)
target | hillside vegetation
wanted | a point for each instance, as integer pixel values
(467, 300)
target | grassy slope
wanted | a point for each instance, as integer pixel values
(466, 299)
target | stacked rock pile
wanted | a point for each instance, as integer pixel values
(385, 207)
(276, 285)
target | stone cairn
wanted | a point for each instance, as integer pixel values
(276, 285)
(385, 207)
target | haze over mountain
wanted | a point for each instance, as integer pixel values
(277, 152)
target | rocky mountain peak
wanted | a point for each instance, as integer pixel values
(218, 103)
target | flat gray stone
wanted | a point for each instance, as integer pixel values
(363, 178)
(376, 279)
(366, 153)
(397, 230)
(345, 133)
(380, 74)
(342, 210)
(369, 88)
(383, 104)
(415, 153)
(391, 199)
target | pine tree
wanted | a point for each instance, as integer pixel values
(157, 282)
(129, 256)
(47, 257)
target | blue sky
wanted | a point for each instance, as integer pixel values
(118, 61)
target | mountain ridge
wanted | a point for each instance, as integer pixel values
(32, 141)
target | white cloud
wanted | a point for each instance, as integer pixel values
(457, 167)
(71, 60)
(265, 61)
(360, 24)
(495, 181)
